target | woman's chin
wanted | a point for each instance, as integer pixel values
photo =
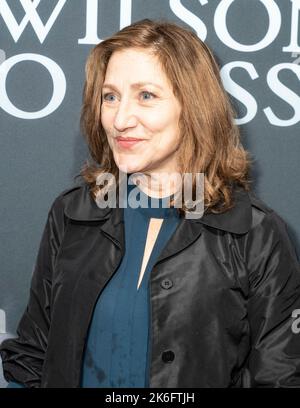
(130, 168)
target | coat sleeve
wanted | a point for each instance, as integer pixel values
(273, 305)
(23, 356)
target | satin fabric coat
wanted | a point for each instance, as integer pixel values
(224, 295)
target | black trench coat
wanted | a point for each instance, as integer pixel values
(222, 294)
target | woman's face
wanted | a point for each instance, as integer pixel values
(138, 105)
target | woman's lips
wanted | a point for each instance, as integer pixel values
(127, 142)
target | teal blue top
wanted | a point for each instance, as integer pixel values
(118, 344)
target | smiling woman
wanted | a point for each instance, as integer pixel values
(143, 133)
(143, 296)
(185, 124)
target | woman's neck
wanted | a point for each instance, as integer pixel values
(157, 185)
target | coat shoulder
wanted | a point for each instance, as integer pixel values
(69, 193)
(66, 196)
(259, 204)
(78, 204)
(266, 220)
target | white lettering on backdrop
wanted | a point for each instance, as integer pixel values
(284, 93)
(32, 16)
(189, 18)
(279, 89)
(237, 91)
(294, 46)
(91, 36)
(220, 23)
(59, 86)
(221, 28)
(223, 33)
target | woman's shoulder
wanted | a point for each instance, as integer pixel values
(258, 203)
(73, 191)
(263, 215)
(270, 229)
(77, 203)
(249, 215)
(67, 195)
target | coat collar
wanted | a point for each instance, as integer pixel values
(80, 206)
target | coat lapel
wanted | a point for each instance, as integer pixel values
(237, 220)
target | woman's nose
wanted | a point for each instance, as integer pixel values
(125, 115)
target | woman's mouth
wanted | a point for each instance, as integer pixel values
(127, 142)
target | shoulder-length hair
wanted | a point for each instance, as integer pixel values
(210, 140)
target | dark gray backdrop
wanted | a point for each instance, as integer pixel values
(256, 43)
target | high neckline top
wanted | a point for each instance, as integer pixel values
(150, 207)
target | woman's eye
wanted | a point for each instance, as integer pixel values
(148, 93)
(107, 95)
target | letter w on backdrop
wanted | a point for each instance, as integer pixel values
(32, 16)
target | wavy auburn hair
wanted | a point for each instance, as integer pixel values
(210, 140)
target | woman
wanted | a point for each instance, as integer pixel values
(148, 297)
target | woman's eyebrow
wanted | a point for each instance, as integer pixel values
(135, 85)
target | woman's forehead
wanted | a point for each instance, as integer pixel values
(137, 67)
(133, 57)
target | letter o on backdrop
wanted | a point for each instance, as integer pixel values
(223, 33)
(59, 86)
